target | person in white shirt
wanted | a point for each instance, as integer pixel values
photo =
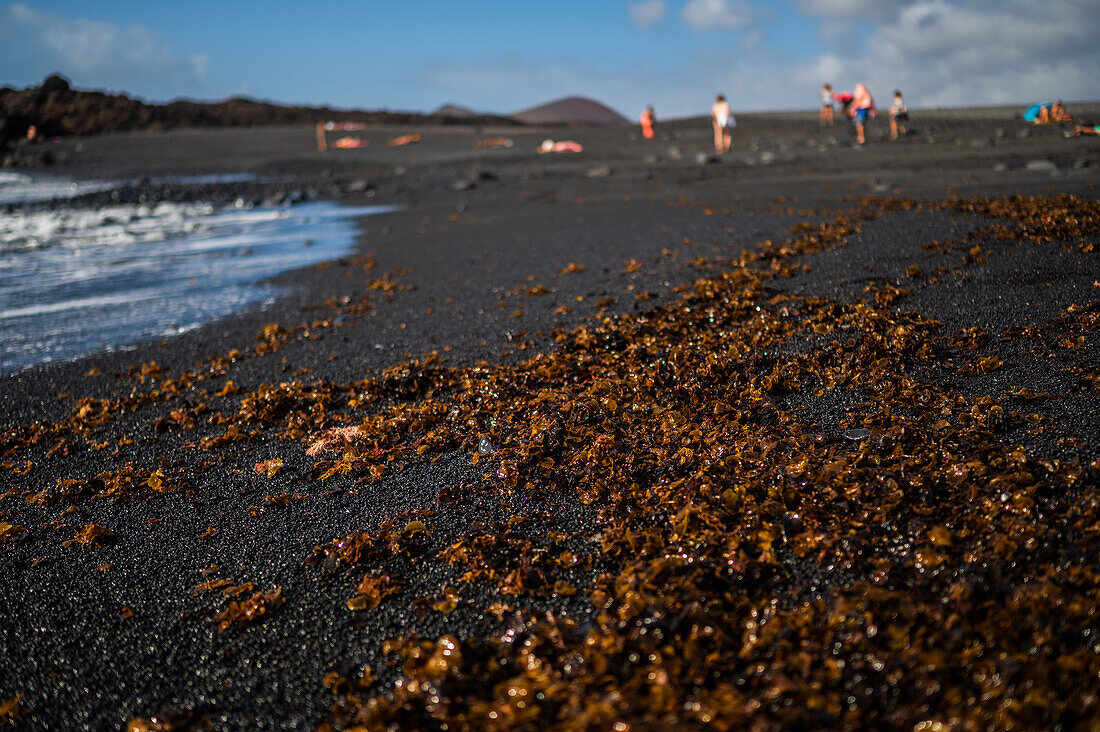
(899, 116)
(826, 118)
(723, 121)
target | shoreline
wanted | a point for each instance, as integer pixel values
(181, 258)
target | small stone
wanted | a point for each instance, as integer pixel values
(767, 157)
(791, 523)
(675, 153)
(360, 185)
(857, 434)
(485, 446)
(1000, 167)
(1041, 166)
(706, 158)
(600, 171)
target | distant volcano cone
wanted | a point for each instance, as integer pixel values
(454, 110)
(570, 111)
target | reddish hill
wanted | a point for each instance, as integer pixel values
(570, 111)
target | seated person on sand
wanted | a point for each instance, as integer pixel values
(562, 146)
(1047, 113)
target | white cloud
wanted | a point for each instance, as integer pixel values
(706, 15)
(93, 51)
(647, 12)
(978, 52)
(938, 52)
(839, 33)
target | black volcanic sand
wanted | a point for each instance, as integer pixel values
(98, 635)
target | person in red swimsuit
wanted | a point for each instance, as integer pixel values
(649, 119)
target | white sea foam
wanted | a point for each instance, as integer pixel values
(73, 280)
(23, 188)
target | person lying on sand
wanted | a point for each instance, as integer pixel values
(405, 140)
(562, 146)
(350, 142)
(495, 142)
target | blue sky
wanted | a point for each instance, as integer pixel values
(506, 56)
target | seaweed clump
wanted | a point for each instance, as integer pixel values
(911, 569)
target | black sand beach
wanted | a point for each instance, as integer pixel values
(802, 437)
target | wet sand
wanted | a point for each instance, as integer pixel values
(496, 255)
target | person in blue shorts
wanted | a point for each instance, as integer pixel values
(861, 108)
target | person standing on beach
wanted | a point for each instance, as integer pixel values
(899, 116)
(826, 119)
(649, 120)
(862, 107)
(723, 121)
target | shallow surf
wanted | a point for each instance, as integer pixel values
(76, 280)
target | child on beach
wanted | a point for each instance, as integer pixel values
(899, 116)
(826, 118)
(862, 107)
(723, 120)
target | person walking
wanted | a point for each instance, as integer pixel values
(723, 120)
(861, 108)
(899, 116)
